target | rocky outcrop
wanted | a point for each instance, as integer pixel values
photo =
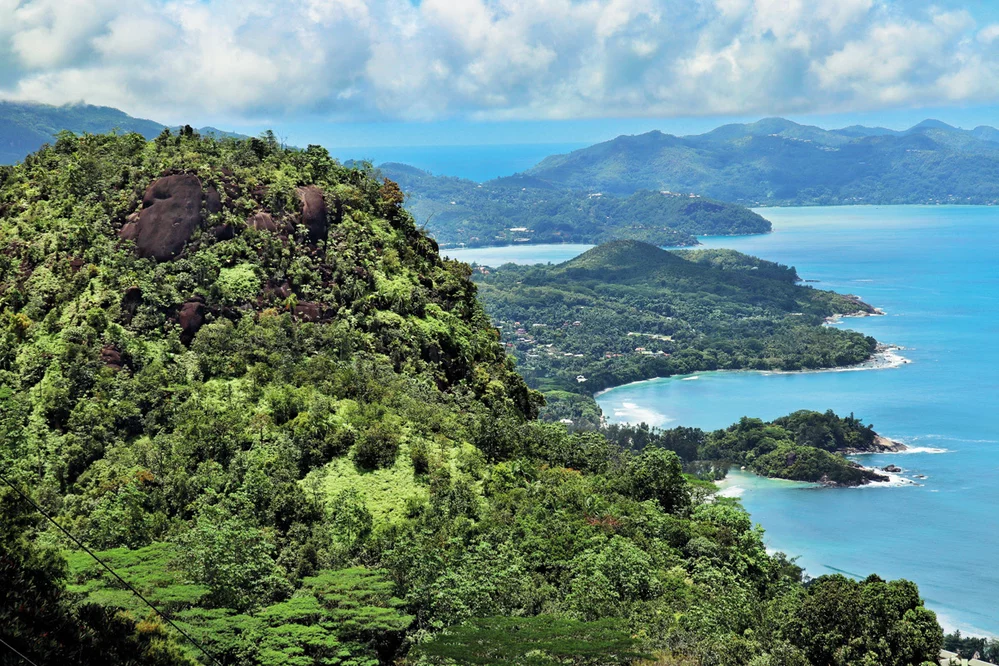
(213, 201)
(306, 311)
(111, 357)
(171, 213)
(892, 469)
(130, 301)
(881, 444)
(315, 215)
(191, 318)
(223, 232)
(261, 221)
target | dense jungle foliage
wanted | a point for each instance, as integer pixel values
(626, 311)
(803, 446)
(244, 377)
(456, 211)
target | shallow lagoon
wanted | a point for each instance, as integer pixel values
(935, 271)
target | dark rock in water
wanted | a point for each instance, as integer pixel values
(171, 212)
(111, 357)
(261, 222)
(315, 216)
(307, 311)
(894, 469)
(213, 201)
(191, 319)
(130, 301)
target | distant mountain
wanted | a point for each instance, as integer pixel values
(26, 126)
(456, 211)
(778, 162)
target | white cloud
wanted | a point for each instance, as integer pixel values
(363, 59)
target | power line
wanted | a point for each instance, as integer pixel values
(14, 650)
(109, 569)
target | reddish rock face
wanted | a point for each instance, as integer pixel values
(314, 213)
(191, 318)
(307, 311)
(261, 222)
(171, 212)
(130, 300)
(111, 357)
(213, 201)
(223, 232)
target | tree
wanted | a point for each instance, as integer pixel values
(39, 620)
(543, 640)
(658, 474)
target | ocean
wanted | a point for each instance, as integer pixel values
(478, 163)
(935, 271)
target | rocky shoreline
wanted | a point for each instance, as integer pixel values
(873, 312)
(881, 444)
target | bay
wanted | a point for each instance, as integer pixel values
(935, 271)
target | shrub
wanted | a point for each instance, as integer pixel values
(376, 447)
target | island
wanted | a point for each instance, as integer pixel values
(462, 213)
(627, 311)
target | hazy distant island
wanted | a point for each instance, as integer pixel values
(777, 162)
(459, 212)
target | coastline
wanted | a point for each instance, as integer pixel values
(886, 357)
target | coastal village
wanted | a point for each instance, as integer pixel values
(533, 342)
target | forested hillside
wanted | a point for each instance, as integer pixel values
(244, 378)
(803, 446)
(456, 211)
(778, 162)
(626, 311)
(25, 126)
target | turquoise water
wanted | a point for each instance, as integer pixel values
(518, 254)
(935, 271)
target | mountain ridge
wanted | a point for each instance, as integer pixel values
(27, 126)
(776, 161)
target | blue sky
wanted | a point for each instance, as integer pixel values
(397, 72)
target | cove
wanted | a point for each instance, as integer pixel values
(935, 271)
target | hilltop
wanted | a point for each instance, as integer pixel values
(625, 311)
(26, 126)
(459, 212)
(243, 376)
(779, 162)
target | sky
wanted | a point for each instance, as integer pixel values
(432, 72)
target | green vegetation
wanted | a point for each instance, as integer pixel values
(778, 162)
(343, 468)
(456, 211)
(26, 126)
(627, 311)
(803, 446)
(967, 646)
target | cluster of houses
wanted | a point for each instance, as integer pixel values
(520, 335)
